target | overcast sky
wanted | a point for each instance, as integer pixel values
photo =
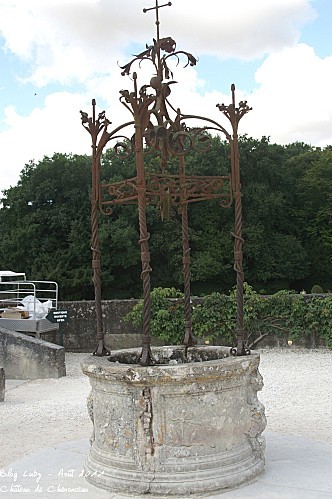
(56, 55)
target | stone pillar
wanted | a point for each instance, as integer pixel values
(177, 427)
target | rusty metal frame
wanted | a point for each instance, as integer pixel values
(171, 137)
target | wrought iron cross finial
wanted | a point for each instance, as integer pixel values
(156, 8)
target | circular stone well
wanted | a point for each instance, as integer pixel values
(189, 424)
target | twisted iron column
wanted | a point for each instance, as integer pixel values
(94, 127)
(234, 114)
(188, 340)
(238, 246)
(146, 357)
(238, 267)
(101, 349)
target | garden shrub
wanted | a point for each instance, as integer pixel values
(214, 316)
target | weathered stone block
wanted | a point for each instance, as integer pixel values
(183, 426)
(24, 357)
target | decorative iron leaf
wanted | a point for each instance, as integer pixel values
(145, 53)
(168, 72)
(192, 60)
(84, 117)
(167, 45)
(126, 68)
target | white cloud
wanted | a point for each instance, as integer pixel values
(74, 39)
(241, 28)
(81, 40)
(293, 102)
(54, 128)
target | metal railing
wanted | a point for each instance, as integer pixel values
(33, 297)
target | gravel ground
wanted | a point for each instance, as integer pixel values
(297, 392)
(38, 414)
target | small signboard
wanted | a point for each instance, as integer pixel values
(58, 316)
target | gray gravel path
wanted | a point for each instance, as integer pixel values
(297, 392)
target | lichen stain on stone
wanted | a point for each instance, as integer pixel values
(161, 435)
(93, 369)
(180, 452)
(133, 375)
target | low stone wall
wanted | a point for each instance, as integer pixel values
(80, 333)
(24, 357)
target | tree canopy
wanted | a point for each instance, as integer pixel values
(45, 224)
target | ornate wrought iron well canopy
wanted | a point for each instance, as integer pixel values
(160, 126)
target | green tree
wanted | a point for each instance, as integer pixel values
(315, 198)
(274, 255)
(45, 223)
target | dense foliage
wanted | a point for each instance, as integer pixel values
(287, 215)
(214, 318)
